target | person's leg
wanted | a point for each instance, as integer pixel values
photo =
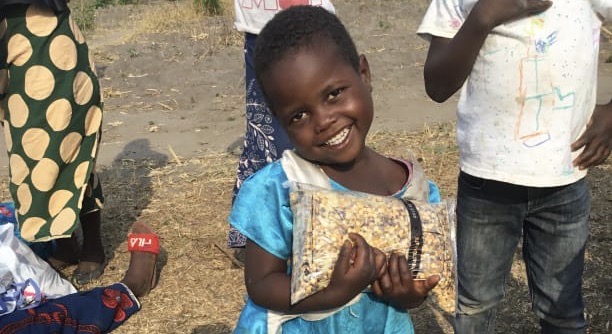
(264, 139)
(65, 252)
(489, 226)
(99, 310)
(144, 248)
(555, 238)
(92, 257)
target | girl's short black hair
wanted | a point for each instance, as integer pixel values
(298, 27)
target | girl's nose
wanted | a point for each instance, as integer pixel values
(324, 118)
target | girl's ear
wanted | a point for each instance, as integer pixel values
(364, 71)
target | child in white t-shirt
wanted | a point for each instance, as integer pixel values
(527, 130)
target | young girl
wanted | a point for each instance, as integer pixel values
(319, 88)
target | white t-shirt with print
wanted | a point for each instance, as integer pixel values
(531, 91)
(252, 15)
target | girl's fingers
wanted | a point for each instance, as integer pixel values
(431, 282)
(364, 256)
(404, 271)
(380, 261)
(385, 283)
(394, 272)
(344, 257)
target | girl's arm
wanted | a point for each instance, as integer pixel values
(269, 285)
(450, 61)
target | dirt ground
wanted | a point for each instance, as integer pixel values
(174, 117)
(180, 90)
(184, 88)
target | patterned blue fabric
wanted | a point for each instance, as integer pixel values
(263, 214)
(264, 140)
(100, 310)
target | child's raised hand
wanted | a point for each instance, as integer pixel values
(355, 269)
(398, 288)
(492, 13)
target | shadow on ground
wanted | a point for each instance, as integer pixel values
(127, 186)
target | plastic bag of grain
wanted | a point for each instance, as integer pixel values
(323, 218)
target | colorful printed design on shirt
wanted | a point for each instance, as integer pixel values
(538, 97)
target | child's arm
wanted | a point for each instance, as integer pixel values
(269, 285)
(450, 61)
(397, 287)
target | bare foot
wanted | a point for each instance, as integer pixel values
(141, 274)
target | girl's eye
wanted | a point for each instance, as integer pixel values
(298, 116)
(334, 94)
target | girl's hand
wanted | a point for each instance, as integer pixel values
(398, 288)
(355, 269)
(491, 13)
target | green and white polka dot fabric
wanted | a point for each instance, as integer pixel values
(52, 113)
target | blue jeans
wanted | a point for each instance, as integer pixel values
(491, 217)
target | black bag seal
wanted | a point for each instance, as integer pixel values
(416, 226)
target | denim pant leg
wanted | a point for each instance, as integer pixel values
(489, 227)
(555, 237)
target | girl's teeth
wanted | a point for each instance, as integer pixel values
(339, 138)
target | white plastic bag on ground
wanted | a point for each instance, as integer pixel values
(19, 264)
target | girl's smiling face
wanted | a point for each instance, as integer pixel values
(324, 104)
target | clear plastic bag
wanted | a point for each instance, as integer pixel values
(323, 218)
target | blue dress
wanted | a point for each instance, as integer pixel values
(263, 214)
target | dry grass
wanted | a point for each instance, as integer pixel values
(181, 16)
(201, 290)
(167, 17)
(174, 18)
